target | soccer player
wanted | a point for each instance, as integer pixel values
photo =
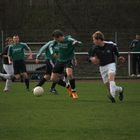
(17, 55)
(7, 67)
(66, 48)
(103, 53)
(50, 62)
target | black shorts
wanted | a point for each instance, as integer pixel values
(60, 66)
(19, 66)
(49, 66)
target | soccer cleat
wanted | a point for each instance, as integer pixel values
(6, 90)
(74, 95)
(111, 98)
(69, 91)
(54, 91)
(121, 96)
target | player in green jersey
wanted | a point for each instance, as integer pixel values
(17, 55)
(66, 48)
(50, 62)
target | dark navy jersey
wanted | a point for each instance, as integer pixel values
(106, 54)
(5, 52)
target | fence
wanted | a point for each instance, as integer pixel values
(84, 69)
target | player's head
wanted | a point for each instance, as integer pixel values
(58, 35)
(138, 36)
(16, 39)
(98, 38)
(8, 41)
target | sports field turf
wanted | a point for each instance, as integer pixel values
(57, 117)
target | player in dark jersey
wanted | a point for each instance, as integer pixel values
(8, 68)
(66, 47)
(103, 53)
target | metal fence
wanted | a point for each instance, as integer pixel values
(84, 69)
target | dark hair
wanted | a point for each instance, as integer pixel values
(15, 35)
(7, 40)
(57, 33)
(98, 35)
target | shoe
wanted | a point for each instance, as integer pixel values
(69, 91)
(74, 95)
(138, 75)
(54, 91)
(133, 75)
(111, 98)
(121, 96)
(6, 90)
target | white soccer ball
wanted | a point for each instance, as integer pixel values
(38, 91)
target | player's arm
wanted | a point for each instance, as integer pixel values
(76, 43)
(116, 52)
(9, 54)
(41, 50)
(26, 47)
(92, 56)
(4, 53)
(132, 45)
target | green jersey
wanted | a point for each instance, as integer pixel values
(135, 45)
(66, 49)
(48, 48)
(17, 51)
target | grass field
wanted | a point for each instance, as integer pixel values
(58, 117)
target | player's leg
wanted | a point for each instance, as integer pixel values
(104, 75)
(51, 65)
(23, 71)
(134, 63)
(9, 70)
(57, 73)
(113, 87)
(138, 75)
(69, 72)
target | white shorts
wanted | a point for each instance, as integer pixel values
(105, 70)
(8, 69)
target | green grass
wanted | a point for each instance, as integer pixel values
(51, 117)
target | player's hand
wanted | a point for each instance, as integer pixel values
(30, 56)
(95, 60)
(10, 62)
(121, 59)
(37, 61)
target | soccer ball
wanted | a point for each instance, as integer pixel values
(38, 91)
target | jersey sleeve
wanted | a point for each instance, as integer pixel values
(10, 51)
(25, 46)
(42, 50)
(132, 44)
(92, 52)
(75, 42)
(115, 49)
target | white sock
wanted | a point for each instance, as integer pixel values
(112, 88)
(118, 89)
(8, 84)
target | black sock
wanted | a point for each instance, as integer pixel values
(53, 85)
(61, 83)
(41, 82)
(72, 84)
(27, 83)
